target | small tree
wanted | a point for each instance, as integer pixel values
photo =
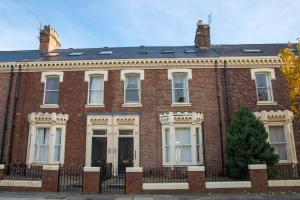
(247, 143)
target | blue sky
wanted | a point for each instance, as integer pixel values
(91, 23)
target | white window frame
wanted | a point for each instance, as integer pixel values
(44, 77)
(87, 78)
(171, 126)
(124, 74)
(51, 121)
(281, 118)
(171, 73)
(270, 72)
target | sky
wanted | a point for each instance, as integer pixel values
(111, 23)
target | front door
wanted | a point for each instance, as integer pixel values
(99, 148)
(125, 154)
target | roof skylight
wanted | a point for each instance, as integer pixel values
(105, 52)
(143, 52)
(190, 51)
(76, 53)
(252, 51)
(167, 51)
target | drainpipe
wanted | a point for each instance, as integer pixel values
(6, 113)
(219, 110)
(227, 98)
(14, 113)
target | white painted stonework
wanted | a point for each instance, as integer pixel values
(134, 169)
(258, 166)
(284, 183)
(165, 186)
(231, 184)
(91, 169)
(196, 168)
(2, 166)
(15, 183)
(51, 167)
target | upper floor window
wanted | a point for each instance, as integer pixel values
(96, 89)
(263, 83)
(95, 81)
(132, 88)
(51, 90)
(180, 88)
(52, 82)
(263, 87)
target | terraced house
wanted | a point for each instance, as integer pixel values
(150, 107)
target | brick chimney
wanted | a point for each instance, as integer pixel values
(49, 39)
(202, 37)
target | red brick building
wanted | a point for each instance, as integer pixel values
(139, 106)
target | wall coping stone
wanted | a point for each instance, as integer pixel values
(257, 166)
(51, 167)
(91, 169)
(196, 168)
(134, 169)
(2, 166)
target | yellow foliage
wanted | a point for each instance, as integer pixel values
(291, 72)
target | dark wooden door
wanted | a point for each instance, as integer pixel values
(125, 153)
(99, 151)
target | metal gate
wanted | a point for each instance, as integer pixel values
(112, 180)
(70, 179)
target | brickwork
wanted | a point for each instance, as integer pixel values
(134, 182)
(50, 180)
(196, 180)
(91, 181)
(259, 179)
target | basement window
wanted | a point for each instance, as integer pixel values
(251, 50)
(77, 53)
(105, 53)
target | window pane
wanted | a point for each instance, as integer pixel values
(276, 134)
(96, 83)
(42, 144)
(183, 154)
(264, 94)
(261, 80)
(167, 137)
(132, 81)
(51, 97)
(198, 144)
(52, 83)
(183, 136)
(180, 95)
(168, 154)
(280, 149)
(58, 136)
(96, 97)
(125, 132)
(57, 152)
(132, 95)
(180, 80)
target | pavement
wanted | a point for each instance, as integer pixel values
(77, 196)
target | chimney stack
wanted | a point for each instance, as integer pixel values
(49, 39)
(202, 37)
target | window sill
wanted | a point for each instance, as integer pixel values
(266, 103)
(94, 105)
(49, 106)
(181, 104)
(129, 105)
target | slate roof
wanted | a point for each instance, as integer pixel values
(144, 52)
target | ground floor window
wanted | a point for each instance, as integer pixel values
(182, 140)
(46, 141)
(278, 141)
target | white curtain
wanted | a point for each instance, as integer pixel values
(96, 90)
(183, 145)
(42, 144)
(57, 147)
(277, 140)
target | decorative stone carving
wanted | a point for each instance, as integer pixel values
(181, 118)
(275, 116)
(98, 121)
(47, 118)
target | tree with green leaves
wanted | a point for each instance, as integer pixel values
(247, 143)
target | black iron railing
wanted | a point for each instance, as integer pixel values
(70, 178)
(283, 171)
(165, 174)
(23, 172)
(113, 180)
(217, 173)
